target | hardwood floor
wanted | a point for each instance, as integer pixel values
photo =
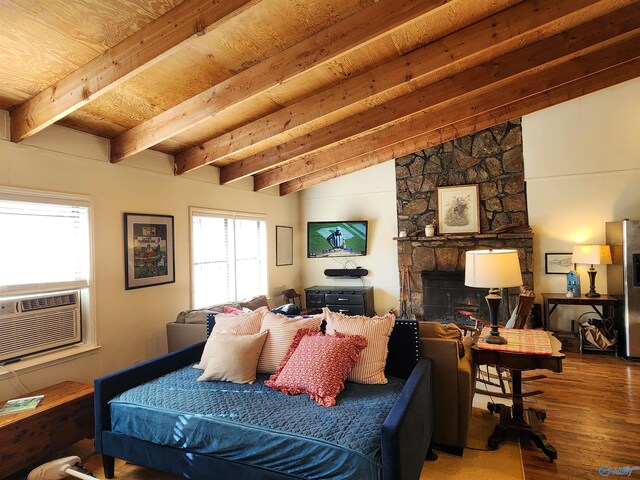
(593, 418)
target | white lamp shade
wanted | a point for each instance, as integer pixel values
(592, 254)
(492, 269)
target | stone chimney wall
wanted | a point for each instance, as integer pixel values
(493, 160)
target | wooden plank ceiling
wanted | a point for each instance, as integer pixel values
(296, 92)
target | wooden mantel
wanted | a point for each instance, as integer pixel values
(466, 236)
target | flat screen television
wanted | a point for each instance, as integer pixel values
(337, 239)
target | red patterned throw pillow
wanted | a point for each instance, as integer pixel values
(282, 331)
(317, 365)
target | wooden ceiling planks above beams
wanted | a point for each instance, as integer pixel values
(397, 72)
(149, 45)
(368, 25)
(568, 91)
(412, 133)
(490, 76)
(291, 105)
(413, 130)
(498, 34)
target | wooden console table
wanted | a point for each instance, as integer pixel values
(554, 299)
(63, 417)
(518, 420)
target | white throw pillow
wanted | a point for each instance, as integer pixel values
(232, 324)
(234, 358)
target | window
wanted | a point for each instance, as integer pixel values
(45, 258)
(229, 257)
(44, 246)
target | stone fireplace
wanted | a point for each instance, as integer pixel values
(493, 160)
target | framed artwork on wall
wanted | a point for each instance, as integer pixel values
(557, 263)
(148, 250)
(458, 209)
(284, 245)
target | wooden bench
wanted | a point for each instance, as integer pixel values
(63, 417)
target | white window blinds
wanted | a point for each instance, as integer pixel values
(229, 258)
(44, 245)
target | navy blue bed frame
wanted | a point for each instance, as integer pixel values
(406, 432)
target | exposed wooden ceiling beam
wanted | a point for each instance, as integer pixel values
(407, 133)
(562, 93)
(498, 34)
(368, 25)
(147, 46)
(492, 75)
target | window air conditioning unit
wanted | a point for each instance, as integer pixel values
(31, 325)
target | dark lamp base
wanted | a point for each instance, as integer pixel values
(592, 283)
(493, 301)
(495, 339)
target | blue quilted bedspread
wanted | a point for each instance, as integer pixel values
(255, 425)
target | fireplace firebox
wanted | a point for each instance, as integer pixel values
(447, 299)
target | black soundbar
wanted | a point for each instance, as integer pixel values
(346, 272)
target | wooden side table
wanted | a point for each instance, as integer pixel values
(63, 417)
(518, 420)
(552, 300)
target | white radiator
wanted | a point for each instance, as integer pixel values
(34, 324)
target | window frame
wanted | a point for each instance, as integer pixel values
(89, 342)
(232, 215)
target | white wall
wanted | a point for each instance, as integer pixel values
(131, 323)
(369, 194)
(582, 168)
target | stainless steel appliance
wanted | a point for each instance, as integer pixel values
(623, 282)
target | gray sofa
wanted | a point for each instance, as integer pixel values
(190, 326)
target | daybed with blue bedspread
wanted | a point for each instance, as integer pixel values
(157, 415)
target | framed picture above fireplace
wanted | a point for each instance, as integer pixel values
(458, 209)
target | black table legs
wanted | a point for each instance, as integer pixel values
(516, 420)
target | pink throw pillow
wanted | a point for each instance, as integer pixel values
(377, 330)
(317, 365)
(233, 310)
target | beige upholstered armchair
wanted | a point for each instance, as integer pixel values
(453, 376)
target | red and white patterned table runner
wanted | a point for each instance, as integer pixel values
(519, 341)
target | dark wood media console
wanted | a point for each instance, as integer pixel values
(347, 300)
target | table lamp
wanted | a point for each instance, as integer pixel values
(493, 269)
(592, 255)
